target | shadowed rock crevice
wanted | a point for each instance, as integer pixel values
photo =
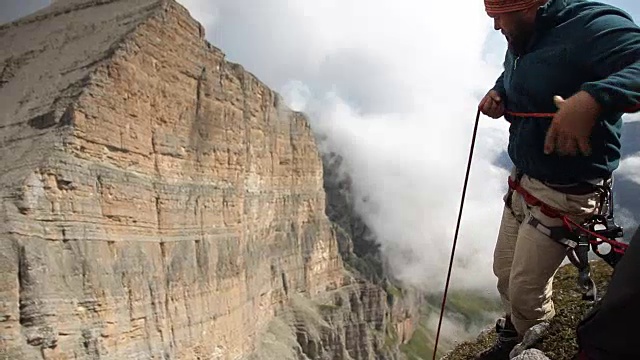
(357, 243)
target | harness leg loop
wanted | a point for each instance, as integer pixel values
(577, 252)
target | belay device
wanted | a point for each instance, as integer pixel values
(599, 230)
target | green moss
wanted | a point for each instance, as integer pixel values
(474, 309)
(367, 267)
(420, 346)
(391, 336)
(394, 294)
(560, 343)
(422, 342)
(328, 307)
(391, 289)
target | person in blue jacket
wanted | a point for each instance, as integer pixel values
(572, 69)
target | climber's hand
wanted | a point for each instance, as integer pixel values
(572, 124)
(492, 105)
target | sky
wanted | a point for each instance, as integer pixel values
(395, 89)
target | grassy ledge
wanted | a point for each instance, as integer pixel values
(560, 342)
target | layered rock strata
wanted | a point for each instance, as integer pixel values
(157, 200)
(160, 202)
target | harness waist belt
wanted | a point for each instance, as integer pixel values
(582, 188)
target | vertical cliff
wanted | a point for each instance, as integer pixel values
(160, 202)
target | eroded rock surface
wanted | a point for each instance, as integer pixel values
(157, 200)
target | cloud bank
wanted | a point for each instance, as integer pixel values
(394, 87)
(630, 168)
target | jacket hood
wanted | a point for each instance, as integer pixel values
(556, 12)
(550, 14)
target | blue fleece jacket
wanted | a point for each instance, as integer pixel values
(578, 45)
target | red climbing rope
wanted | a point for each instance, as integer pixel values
(455, 237)
(535, 115)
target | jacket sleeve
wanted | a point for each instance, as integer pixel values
(613, 55)
(499, 86)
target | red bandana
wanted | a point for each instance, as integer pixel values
(494, 7)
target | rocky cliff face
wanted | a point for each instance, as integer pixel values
(160, 202)
(362, 256)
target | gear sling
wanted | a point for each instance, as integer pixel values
(578, 238)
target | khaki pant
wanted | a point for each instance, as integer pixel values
(526, 260)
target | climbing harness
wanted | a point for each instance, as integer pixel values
(578, 238)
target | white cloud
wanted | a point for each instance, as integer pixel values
(627, 220)
(395, 86)
(630, 168)
(631, 117)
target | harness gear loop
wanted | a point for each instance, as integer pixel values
(577, 238)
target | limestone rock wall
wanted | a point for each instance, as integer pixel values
(157, 201)
(354, 322)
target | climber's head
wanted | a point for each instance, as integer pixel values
(515, 19)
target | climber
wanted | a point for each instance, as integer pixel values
(572, 69)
